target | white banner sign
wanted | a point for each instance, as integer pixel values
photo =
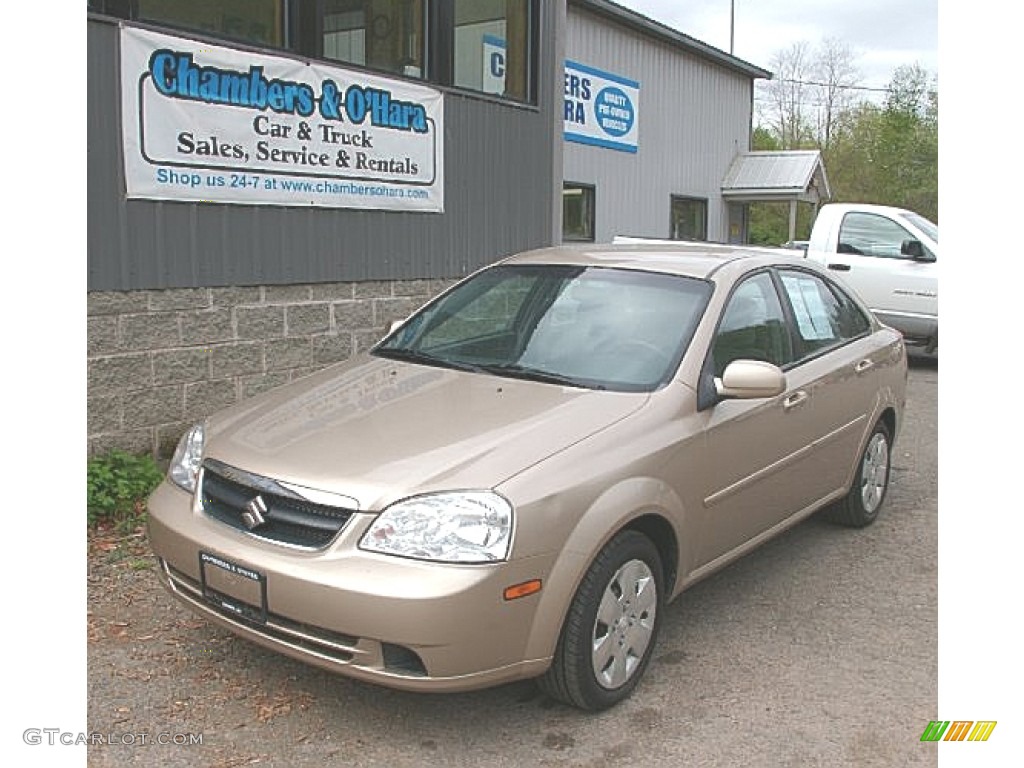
(215, 124)
(601, 109)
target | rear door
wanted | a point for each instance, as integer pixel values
(838, 363)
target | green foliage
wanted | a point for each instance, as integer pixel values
(889, 154)
(769, 223)
(764, 140)
(118, 485)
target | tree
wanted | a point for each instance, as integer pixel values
(810, 90)
(765, 140)
(836, 77)
(786, 97)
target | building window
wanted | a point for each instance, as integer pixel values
(689, 218)
(488, 46)
(492, 47)
(577, 212)
(380, 34)
(254, 21)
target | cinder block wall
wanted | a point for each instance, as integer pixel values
(160, 360)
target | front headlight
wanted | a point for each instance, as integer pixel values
(456, 527)
(187, 458)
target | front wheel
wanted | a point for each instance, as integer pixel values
(861, 505)
(611, 626)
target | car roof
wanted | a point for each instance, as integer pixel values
(698, 260)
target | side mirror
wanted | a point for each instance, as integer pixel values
(915, 250)
(750, 379)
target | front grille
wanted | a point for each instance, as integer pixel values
(289, 519)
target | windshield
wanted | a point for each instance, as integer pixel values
(592, 327)
(931, 230)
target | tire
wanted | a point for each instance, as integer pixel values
(611, 627)
(862, 504)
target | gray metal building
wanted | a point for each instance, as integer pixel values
(695, 110)
(573, 119)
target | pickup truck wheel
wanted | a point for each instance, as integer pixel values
(861, 505)
(610, 629)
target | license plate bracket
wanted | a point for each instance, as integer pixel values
(240, 590)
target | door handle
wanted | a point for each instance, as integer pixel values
(840, 267)
(864, 365)
(797, 398)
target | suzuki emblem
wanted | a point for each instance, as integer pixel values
(253, 514)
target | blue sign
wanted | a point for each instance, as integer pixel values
(600, 108)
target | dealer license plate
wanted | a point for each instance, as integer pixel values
(233, 587)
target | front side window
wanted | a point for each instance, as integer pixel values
(689, 218)
(380, 34)
(868, 234)
(925, 225)
(254, 21)
(753, 326)
(598, 328)
(825, 316)
(577, 212)
(492, 47)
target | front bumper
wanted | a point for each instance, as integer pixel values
(918, 330)
(397, 622)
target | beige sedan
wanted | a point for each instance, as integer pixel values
(520, 476)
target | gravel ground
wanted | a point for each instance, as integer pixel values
(818, 649)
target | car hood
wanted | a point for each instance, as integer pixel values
(379, 430)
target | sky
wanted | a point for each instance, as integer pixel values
(883, 34)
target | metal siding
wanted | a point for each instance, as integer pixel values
(500, 198)
(694, 119)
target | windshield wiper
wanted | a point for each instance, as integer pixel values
(415, 356)
(514, 370)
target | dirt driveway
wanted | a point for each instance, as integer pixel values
(818, 649)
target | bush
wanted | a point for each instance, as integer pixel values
(119, 484)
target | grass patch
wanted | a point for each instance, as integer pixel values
(118, 485)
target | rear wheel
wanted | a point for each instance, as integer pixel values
(861, 505)
(611, 626)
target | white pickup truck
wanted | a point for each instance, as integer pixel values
(889, 256)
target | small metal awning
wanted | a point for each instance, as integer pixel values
(786, 176)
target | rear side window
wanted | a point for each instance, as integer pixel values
(825, 316)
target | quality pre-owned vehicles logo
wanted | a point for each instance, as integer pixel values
(601, 109)
(958, 730)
